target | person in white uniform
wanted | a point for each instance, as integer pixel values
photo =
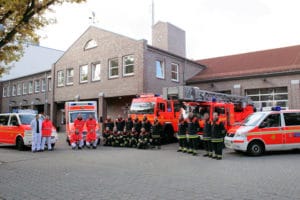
(36, 127)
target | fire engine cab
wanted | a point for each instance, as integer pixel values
(266, 131)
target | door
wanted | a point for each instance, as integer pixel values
(272, 132)
(292, 130)
(4, 135)
(13, 129)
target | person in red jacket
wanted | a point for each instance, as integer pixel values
(46, 133)
(77, 138)
(91, 137)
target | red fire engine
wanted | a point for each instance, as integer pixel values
(185, 99)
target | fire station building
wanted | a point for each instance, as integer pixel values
(28, 84)
(270, 77)
(112, 69)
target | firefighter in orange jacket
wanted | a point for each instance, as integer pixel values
(91, 136)
(76, 137)
(46, 133)
(218, 132)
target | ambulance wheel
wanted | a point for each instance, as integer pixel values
(20, 144)
(255, 148)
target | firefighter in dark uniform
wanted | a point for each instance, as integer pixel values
(120, 124)
(146, 124)
(108, 129)
(192, 129)
(115, 137)
(128, 124)
(182, 140)
(137, 124)
(207, 135)
(156, 132)
(134, 136)
(144, 139)
(218, 132)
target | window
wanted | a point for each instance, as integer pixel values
(4, 120)
(128, 65)
(4, 94)
(96, 72)
(19, 89)
(266, 98)
(60, 78)
(70, 75)
(273, 120)
(8, 91)
(13, 121)
(292, 119)
(43, 85)
(30, 87)
(49, 84)
(14, 90)
(37, 86)
(160, 69)
(113, 68)
(90, 44)
(25, 88)
(174, 72)
(84, 73)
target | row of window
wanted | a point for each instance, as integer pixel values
(113, 65)
(25, 88)
(160, 70)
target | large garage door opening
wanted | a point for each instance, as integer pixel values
(266, 98)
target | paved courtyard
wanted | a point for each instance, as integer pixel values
(122, 173)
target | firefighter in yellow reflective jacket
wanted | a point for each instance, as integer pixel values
(218, 133)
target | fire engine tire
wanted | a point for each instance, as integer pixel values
(256, 148)
(20, 144)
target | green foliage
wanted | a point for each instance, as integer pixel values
(19, 20)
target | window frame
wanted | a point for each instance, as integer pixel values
(110, 68)
(25, 88)
(43, 85)
(49, 80)
(8, 91)
(4, 91)
(37, 87)
(162, 64)
(94, 65)
(60, 79)
(30, 89)
(176, 72)
(19, 89)
(68, 76)
(124, 65)
(80, 74)
(14, 91)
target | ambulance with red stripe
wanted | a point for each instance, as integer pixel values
(85, 108)
(266, 131)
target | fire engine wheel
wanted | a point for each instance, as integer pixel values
(20, 144)
(255, 148)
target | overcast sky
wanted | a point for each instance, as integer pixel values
(213, 27)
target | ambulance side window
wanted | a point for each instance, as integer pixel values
(292, 119)
(4, 120)
(13, 121)
(273, 120)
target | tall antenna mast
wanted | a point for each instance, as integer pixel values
(152, 7)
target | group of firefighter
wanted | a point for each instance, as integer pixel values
(133, 133)
(142, 134)
(213, 135)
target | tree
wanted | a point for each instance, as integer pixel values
(19, 20)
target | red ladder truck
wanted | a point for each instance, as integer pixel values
(184, 99)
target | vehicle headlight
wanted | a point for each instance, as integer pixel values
(28, 133)
(240, 134)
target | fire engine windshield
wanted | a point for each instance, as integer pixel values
(142, 108)
(85, 115)
(253, 119)
(26, 118)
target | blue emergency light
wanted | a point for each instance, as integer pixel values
(276, 108)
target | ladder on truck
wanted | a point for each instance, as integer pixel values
(190, 93)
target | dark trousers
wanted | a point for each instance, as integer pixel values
(182, 143)
(193, 143)
(156, 142)
(218, 148)
(207, 145)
